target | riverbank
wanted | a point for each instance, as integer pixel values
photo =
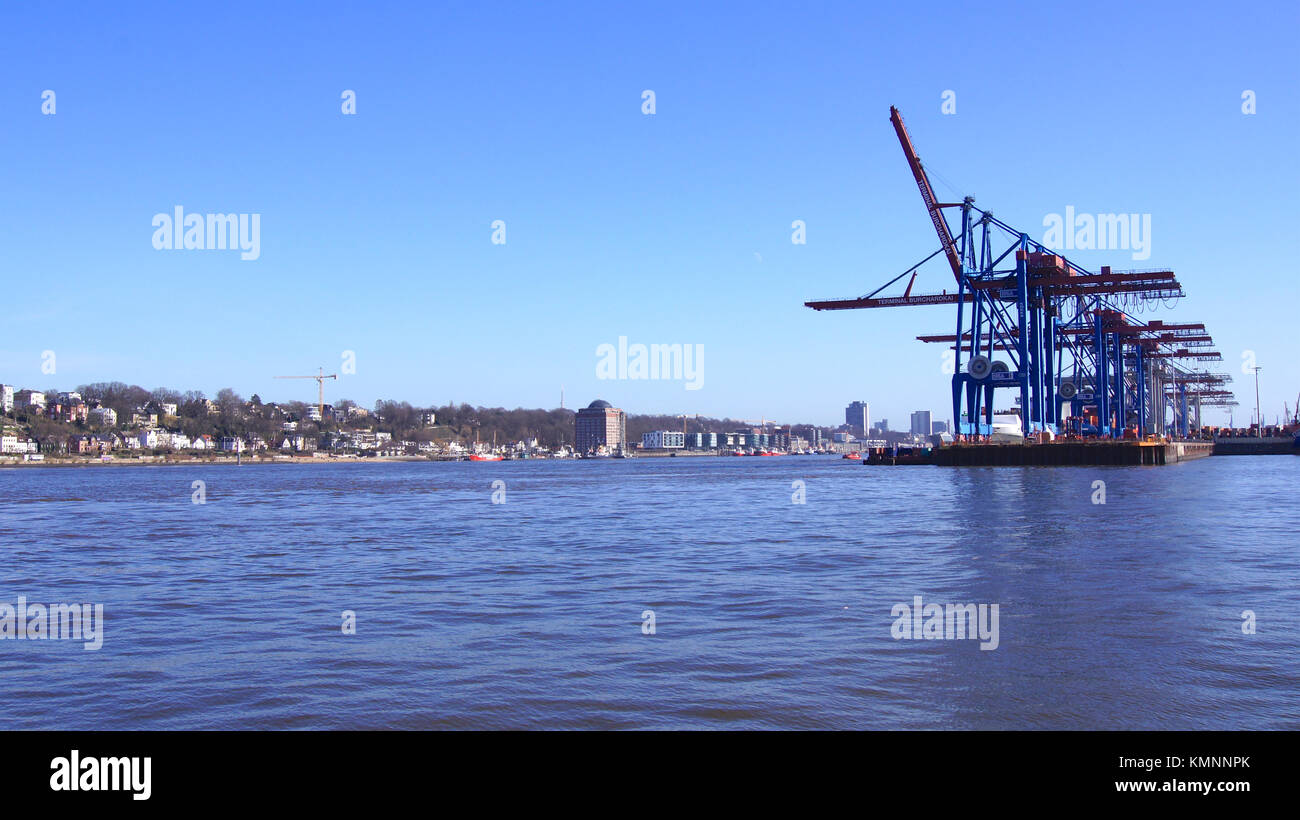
(165, 461)
(175, 460)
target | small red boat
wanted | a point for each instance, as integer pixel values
(853, 455)
(478, 457)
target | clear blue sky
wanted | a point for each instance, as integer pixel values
(671, 228)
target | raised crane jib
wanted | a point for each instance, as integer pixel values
(927, 193)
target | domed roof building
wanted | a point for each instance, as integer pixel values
(600, 427)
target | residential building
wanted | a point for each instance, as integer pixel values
(68, 413)
(24, 399)
(299, 442)
(663, 440)
(103, 416)
(702, 441)
(6, 398)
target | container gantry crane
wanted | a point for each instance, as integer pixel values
(1062, 329)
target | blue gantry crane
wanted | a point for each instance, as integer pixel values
(1032, 322)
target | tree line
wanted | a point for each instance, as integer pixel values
(235, 416)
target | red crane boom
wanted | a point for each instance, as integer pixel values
(927, 193)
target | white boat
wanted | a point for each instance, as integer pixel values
(1006, 430)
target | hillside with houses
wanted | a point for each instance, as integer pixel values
(117, 420)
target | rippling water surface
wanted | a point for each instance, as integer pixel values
(768, 614)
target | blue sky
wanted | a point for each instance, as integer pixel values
(668, 228)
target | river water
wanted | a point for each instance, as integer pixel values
(767, 613)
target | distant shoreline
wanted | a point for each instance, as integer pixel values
(172, 461)
(208, 462)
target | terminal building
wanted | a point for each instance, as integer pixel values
(599, 425)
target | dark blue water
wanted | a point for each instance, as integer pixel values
(768, 614)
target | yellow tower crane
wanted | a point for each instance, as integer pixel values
(320, 378)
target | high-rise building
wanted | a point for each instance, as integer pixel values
(599, 424)
(921, 423)
(858, 416)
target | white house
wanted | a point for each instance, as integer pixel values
(29, 398)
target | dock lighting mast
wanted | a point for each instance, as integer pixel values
(1259, 420)
(320, 378)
